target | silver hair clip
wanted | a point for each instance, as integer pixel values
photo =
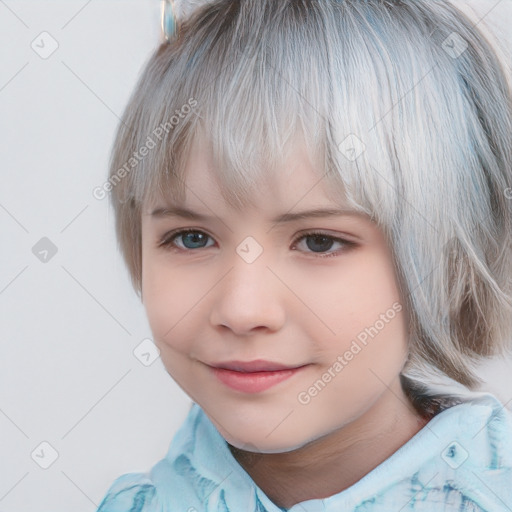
(173, 11)
(169, 20)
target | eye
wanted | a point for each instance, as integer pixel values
(319, 242)
(191, 239)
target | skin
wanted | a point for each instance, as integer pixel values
(206, 304)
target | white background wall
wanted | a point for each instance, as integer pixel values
(68, 375)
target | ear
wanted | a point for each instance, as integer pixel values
(175, 11)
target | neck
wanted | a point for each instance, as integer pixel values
(328, 465)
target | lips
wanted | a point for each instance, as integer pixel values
(258, 365)
(253, 376)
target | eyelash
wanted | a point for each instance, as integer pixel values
(167, 242)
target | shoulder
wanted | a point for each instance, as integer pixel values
(167, 485)
(476, 454)
(490, 429)
(486, 419)
(132, 491)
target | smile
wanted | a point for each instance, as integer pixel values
(253, 377)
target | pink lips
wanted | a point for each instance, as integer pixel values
(253, 376)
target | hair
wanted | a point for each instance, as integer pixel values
(422, 94)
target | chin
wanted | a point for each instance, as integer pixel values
(262, 430)
(261, 444)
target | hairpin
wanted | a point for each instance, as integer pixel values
(174, 11)
(169, 20)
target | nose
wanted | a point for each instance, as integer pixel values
(248, 299)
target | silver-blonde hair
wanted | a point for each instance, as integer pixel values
(420, 93)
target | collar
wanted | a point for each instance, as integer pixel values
(459, 445)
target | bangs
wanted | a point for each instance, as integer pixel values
(360, 88)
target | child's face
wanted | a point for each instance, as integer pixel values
(214, 298)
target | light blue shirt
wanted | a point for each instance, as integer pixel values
(460, 461)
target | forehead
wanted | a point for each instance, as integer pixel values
(298, 179)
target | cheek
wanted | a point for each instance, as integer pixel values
(369, 290)
(174, 299)
(164, 298)
(367, 316)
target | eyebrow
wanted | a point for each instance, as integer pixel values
(185, 213)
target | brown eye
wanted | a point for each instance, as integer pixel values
(317, 242)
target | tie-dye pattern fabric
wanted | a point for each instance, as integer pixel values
(461, 461)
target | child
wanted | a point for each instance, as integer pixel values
(320, 229)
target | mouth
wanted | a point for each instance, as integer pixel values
(253, 376)
(258, 365)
